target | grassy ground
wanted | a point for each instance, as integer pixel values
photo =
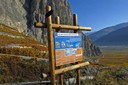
(15, 43)
(115, 56)
(15, 69)
(15, 48)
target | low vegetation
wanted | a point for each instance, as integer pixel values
(115, 56)
(115, 59)
(29, 52)
(15, 48)
(109, 77)
(9, 30)
(14, 69)
(23, 45)
(113, 67)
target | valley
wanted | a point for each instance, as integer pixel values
(24, 54)
(115, 56)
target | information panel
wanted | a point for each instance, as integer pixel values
(68, 48)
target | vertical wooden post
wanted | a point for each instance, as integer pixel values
(51, 46)
(57, 21)
(75, 23)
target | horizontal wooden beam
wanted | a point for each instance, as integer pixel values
(60, 26)
(63, 70)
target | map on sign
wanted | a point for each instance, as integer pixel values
(68, 48)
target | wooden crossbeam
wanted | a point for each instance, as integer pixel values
(55, 26)
(63, 70)
(60, 26)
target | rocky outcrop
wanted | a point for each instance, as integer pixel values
(90, 49)
(37, 10)
(13, 14)
(22, 14)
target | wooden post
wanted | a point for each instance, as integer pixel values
(57, 21)
(75, 23)
(51, 47)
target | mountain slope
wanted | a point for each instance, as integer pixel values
(106, 31)
(22, 14)
(14, 43)
(118, 37)
(21, 55)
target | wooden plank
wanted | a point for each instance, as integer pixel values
(75, 23)
(51, 47)
(63, 70)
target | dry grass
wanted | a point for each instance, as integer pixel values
(31, 52)
(115, 56)
(9, 30)
(14, 69)
(5, 40)
(26, 45)
(115, 59)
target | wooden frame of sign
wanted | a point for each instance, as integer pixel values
(57, 26)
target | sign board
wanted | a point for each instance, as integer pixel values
(68, 48)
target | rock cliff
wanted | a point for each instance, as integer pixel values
(21, 15)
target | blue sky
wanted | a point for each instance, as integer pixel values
(99, 14)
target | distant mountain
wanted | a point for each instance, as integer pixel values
(118, 37)
(95, 36)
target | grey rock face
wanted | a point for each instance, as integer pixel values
(89, 48)
(38, 11)
(13, 14)
(21, 14)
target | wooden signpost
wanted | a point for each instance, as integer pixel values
(69, 49)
